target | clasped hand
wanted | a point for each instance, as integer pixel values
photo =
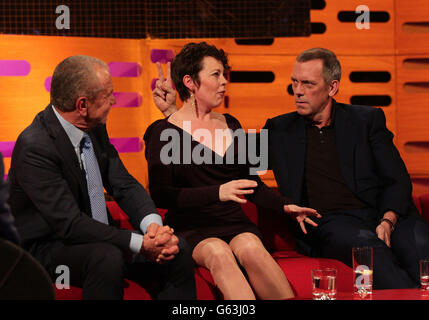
(159, 243)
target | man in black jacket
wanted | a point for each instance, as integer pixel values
(60, 164)
(340, 160)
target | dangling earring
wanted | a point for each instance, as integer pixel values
(192, 101)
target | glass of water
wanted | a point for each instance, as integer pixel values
(424, 274)
(362, 270)
(324, 284)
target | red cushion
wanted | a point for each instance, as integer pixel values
(206, 288)
(119, 216)
(74, 293)
(298, 272)
(424, 202)
(132, 291)
(417, 203)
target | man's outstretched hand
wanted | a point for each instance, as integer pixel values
(302, 214)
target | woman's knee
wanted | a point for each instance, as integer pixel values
(214, 253)
(249, 249)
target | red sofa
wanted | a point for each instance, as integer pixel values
(279, 242)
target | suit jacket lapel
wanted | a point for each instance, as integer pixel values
(64, 146)
(346, 135)
(294, 144)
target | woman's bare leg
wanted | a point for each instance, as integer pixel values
(265, 275)
(216, 255)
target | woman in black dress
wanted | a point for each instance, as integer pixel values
(195, 172)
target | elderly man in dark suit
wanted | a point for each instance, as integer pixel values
(340, 160)
(60, 164)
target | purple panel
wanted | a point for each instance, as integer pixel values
(14, 68)
(153, 83)
(127, 99)
(161, 55)
(6, 148)
(124, 145)
(48, 81)
(5, 177)
(125, 69)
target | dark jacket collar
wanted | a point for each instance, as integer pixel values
(60, 139)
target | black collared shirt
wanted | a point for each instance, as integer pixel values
(325, 185)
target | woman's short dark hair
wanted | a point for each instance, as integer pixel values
(189, 61)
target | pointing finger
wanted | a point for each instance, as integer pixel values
(302, 225)
(246, 191)
(312, 213)
(160, 72)
(311, 222)
(169, 73)
(245, 183)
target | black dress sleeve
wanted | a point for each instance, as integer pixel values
(263, 196)
(163, 189)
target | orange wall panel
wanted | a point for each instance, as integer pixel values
(413, 114)
(24, 96)
(412, 27)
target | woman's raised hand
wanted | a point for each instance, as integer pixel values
(164, 94)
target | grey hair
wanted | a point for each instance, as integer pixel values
(75, 77)
(331, 65)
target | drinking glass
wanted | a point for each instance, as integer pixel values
(362, 270)
(424, 274)
(324, 284)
